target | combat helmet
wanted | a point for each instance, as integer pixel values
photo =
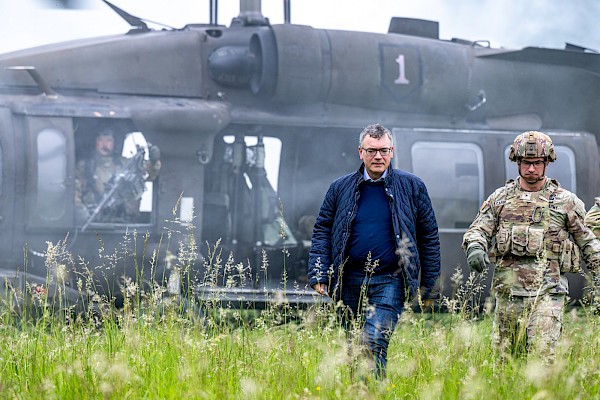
(532, 144)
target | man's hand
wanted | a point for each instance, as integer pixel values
(320, 288)
(477, 258)
(428, 303)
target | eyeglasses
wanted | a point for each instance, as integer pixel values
(536, 164)
(385, 151)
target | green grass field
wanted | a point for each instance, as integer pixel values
(227, 354)
(158, 347)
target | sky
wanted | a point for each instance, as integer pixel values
(504, 23)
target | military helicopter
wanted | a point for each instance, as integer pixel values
(253, 122)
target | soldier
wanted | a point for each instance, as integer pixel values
(92, 175)
(532, 220)
(592, 220)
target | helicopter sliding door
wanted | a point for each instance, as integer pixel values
(8, 183)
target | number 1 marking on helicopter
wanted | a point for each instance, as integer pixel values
(401, 71)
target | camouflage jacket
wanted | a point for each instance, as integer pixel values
(534, 238)
(592, 218)
(92, 174)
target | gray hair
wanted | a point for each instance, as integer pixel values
(376, 131)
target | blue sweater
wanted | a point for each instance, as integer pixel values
(414, 224)
(372, 231)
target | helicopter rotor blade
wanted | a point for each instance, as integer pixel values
(66, 4)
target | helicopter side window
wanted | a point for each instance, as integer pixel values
(563, 169)
(51, 175)
(454, 181)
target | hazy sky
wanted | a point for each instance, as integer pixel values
(505, 23)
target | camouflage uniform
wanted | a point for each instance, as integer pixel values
(93, 174)
(532, 250)
(592, 218)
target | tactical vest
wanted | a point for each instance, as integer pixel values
(527, 234)
(97, 174)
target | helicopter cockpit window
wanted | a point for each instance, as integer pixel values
(454, 181)
(563, 169)
(113, 180)
(51, 175)
(241, 203)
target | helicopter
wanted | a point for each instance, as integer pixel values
(253, 121)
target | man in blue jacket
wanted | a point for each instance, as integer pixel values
(374, 243)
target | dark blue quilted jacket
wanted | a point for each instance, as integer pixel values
(415, 229)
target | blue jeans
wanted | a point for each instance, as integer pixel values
(384, 304)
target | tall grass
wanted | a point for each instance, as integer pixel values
(164, 345)
(172, 357)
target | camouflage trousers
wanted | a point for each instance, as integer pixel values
(524, 325)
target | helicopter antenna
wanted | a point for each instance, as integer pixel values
(137, 23)
(574, 47)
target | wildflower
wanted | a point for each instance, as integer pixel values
(61, 273)
(39, 290)
(404, 251)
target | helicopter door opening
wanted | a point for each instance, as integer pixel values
(241, 206)
(114, 178)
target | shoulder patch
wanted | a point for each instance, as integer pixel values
(484, 205)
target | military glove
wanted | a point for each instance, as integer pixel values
(153, 153)
(477, 258)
